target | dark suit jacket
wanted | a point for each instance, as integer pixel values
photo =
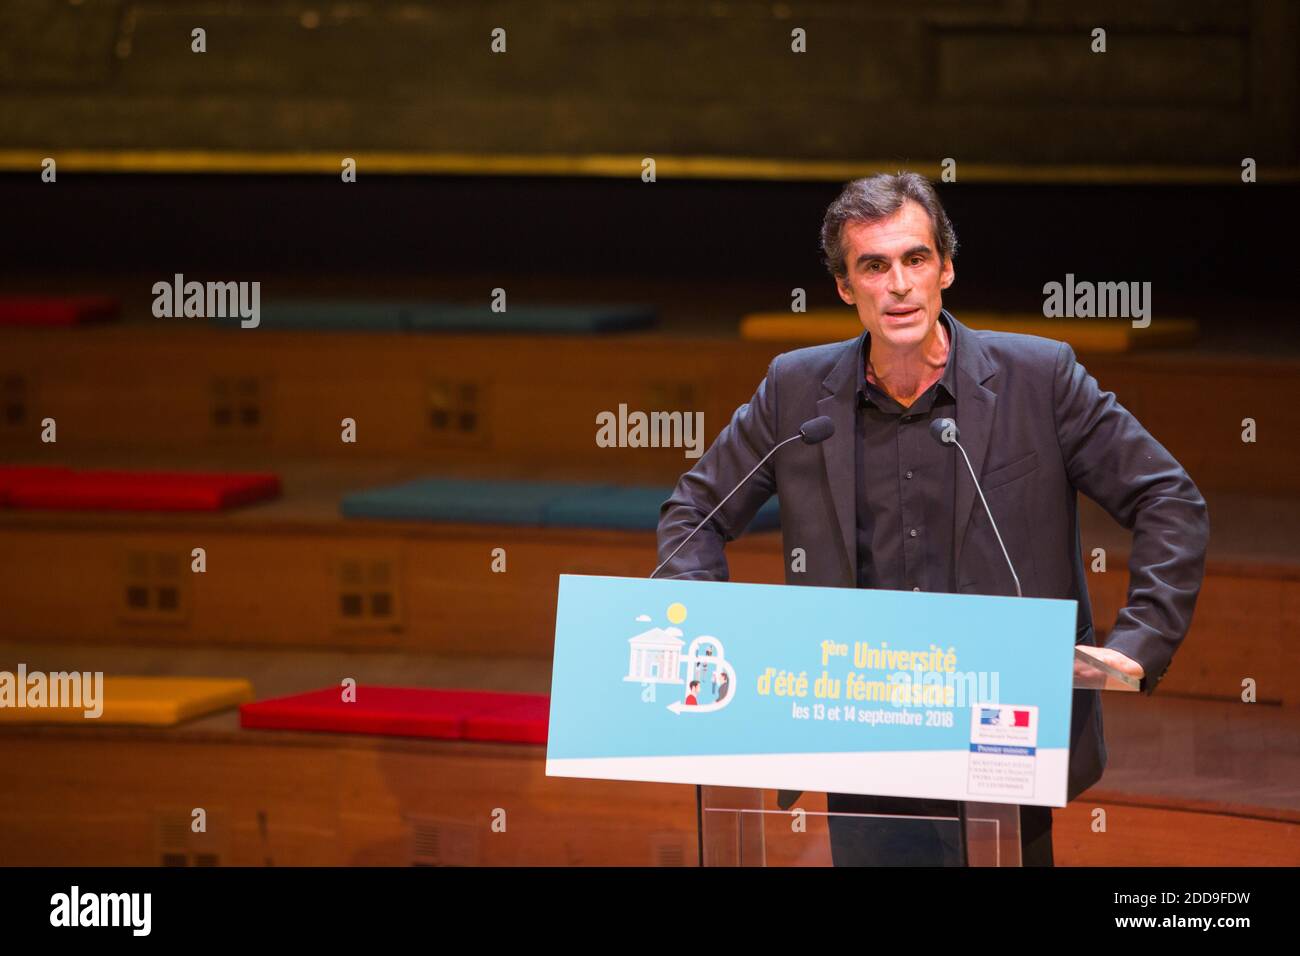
(1038, 430)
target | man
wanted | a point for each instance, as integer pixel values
(724, 685)
(881, 504)
(692, 690)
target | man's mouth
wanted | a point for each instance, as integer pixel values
(903, 312)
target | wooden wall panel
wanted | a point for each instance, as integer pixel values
(699, 80)
(94, 799)
(1171, 835)
(277, 587)
(149, 388)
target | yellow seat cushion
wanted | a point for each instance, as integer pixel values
(1084, 335)
(152, 701)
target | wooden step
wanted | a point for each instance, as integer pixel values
(294, 573)
(1188, 783)
(99, 798)
(1248, 611)
(525, 401)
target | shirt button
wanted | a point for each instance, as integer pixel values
(909, 475)
(912, 532)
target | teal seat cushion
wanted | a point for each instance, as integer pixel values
(397, 316)
(572, 319)
(630, 509)
(455, 499)
(555, 504)
(329, 315)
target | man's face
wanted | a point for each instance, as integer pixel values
(895, 277)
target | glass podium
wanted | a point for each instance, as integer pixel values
(745, 827)
(742, 827)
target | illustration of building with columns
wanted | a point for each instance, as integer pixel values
(655, 656)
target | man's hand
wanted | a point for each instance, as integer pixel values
(1086, 674)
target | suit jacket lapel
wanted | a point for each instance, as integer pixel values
(975, 410)
(841, 388)
(976, 405)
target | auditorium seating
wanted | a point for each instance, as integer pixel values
(89, 794)
(293, 573)
(519, 405)
(365, 559)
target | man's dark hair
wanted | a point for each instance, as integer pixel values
(879, 197)
(695, 683)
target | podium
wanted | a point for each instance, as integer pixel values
(743, 827)
(748, 827)
(758, 693)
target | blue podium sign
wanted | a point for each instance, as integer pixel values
(945, 696)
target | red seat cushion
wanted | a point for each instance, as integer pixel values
(57, 310)
(12, 476)
(396, 711)
(523, 721)
(142, 490)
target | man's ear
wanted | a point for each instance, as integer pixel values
(845, 290)
(948, 274)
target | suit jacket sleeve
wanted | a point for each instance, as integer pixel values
(1112, 459)
(747, 438)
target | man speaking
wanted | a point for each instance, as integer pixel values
(883, 504)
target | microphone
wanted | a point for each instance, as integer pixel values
(817, 430)
(812, 432)
(945, 432)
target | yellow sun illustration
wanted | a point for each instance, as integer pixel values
(677, 613)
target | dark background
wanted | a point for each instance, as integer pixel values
(706, 251)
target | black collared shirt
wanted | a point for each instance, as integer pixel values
(905, 483)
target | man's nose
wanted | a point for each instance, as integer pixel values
(898, 282)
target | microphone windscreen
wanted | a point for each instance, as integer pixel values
(944, 431)
(817, 430)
